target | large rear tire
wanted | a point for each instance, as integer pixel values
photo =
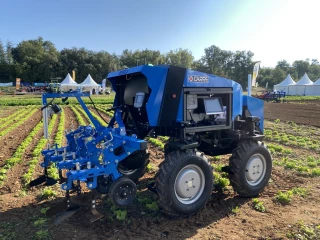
(184, 183)
(251, 167)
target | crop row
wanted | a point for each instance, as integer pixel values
(60, 132)
(310, 166)
(37, 152)
(291, 128)
(103, 123)
(59, 138)
(15, 117)
(21, 119)
(78, 116)
(23, 101)
(18, 154)
(292, 140)
(10, 117)
(302, 98)
(156, 142)
(104, 108)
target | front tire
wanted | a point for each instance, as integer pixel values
(184, 183)
(251, 166)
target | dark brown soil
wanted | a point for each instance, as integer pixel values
(307, 113)
(6, 111)
(10, 142)
(70, 120)
(13, 182)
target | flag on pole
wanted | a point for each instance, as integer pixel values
(74, 75)
(18, 83)
(255, 73)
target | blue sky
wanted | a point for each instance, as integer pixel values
(272, 29)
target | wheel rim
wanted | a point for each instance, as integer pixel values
(255, 169)
(125, 171)
(189, 184)
(124, 194)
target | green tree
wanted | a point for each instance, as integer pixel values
(278, 75)
(2, 54)
(314, 61)
(265, 76)
(301, 67)
(218, 61)
(180, 57)
(283, 64)
(8, 52)
(314, 72)
(242, 65)
(38, 58)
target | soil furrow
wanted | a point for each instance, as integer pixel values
(11, 141)
(83, 116)
(13, 182)
(39, 170)
(70, 121)
(298, 113)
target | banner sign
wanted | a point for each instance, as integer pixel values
(255, 73)
(9, 84)
(18, 83)
(40, 84)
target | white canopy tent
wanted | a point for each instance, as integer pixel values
(68, 83)
(90, 84)
(300, 87)
(313, 89)
(283, 86)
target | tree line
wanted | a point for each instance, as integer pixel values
(38, 60)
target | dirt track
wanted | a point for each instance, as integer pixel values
(307, 113)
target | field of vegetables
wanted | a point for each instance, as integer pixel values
(287, 209)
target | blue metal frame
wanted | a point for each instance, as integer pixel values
(78, 96)
(90, 151)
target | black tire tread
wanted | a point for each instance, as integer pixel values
(160, 182)
(237, 159)
(114, 185)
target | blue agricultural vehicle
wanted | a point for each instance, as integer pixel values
(202, 114)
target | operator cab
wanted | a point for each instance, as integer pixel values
(135, 96)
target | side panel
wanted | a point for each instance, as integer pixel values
(256, 108)
(156, 77)
(171, 96)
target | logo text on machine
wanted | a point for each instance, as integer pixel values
(198, 79)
